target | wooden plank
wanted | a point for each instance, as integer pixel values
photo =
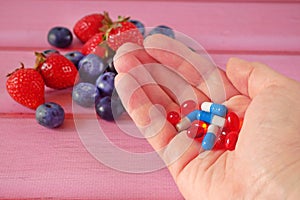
(216, 25)
(287, 65)
(37, 162)
(41, 163)
(235, 1)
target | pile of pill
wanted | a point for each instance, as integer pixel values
(212, 125)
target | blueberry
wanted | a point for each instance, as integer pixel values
(90, 67)
(85, 94)
(162, 29)
(48, 52)
(111, 66)
(74, 57)
(105, 83)
(109, 108)
(50, 115)
(60, 37)
(139, 25)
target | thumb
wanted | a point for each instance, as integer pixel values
(250, 78)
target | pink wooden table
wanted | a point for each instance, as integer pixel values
(36, 162)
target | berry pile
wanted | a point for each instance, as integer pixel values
(213, 126)
(89, 70)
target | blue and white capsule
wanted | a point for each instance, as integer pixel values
(202, 116)
(214, 108)
(210, 137)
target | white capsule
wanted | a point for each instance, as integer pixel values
(202, 116)
(214, 108)
(211, 136)
(183, 124)
(213, 129)
(218, 121)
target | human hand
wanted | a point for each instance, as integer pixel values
(266, 161)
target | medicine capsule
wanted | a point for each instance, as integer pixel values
(214, 108)
(220, 141)
(183, 124)
(188, 106)
(232, 122)
(206, 117)
(173, 117)
(209, 139)
(197, 129)
(230, 140)
(202, 116)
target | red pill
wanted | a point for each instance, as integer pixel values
(230, 140)
(232, 122)
(188, 106)
(173, 117)
(220, 143)
(197, 129)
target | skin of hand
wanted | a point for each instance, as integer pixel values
(266, 161)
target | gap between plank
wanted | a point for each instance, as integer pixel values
(210, 51)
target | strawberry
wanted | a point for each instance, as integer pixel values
(88, 26)
(92, 43)
(120, 32)
(57, 71)
(26, 86)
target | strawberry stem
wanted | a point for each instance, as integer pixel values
(22, 67)
(40, 58)
(109, 25)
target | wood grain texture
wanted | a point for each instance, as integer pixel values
(218, 1)
(36, 162)
(216, 25)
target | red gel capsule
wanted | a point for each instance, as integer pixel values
(197, 129)
(173, 117)
(230, 140)
(220, 143)
(232, 122)
(188, 106)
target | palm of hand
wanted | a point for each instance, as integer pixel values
(259, 164)
(261, 161)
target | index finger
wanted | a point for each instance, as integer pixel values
(195, 67)
(176, 149)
